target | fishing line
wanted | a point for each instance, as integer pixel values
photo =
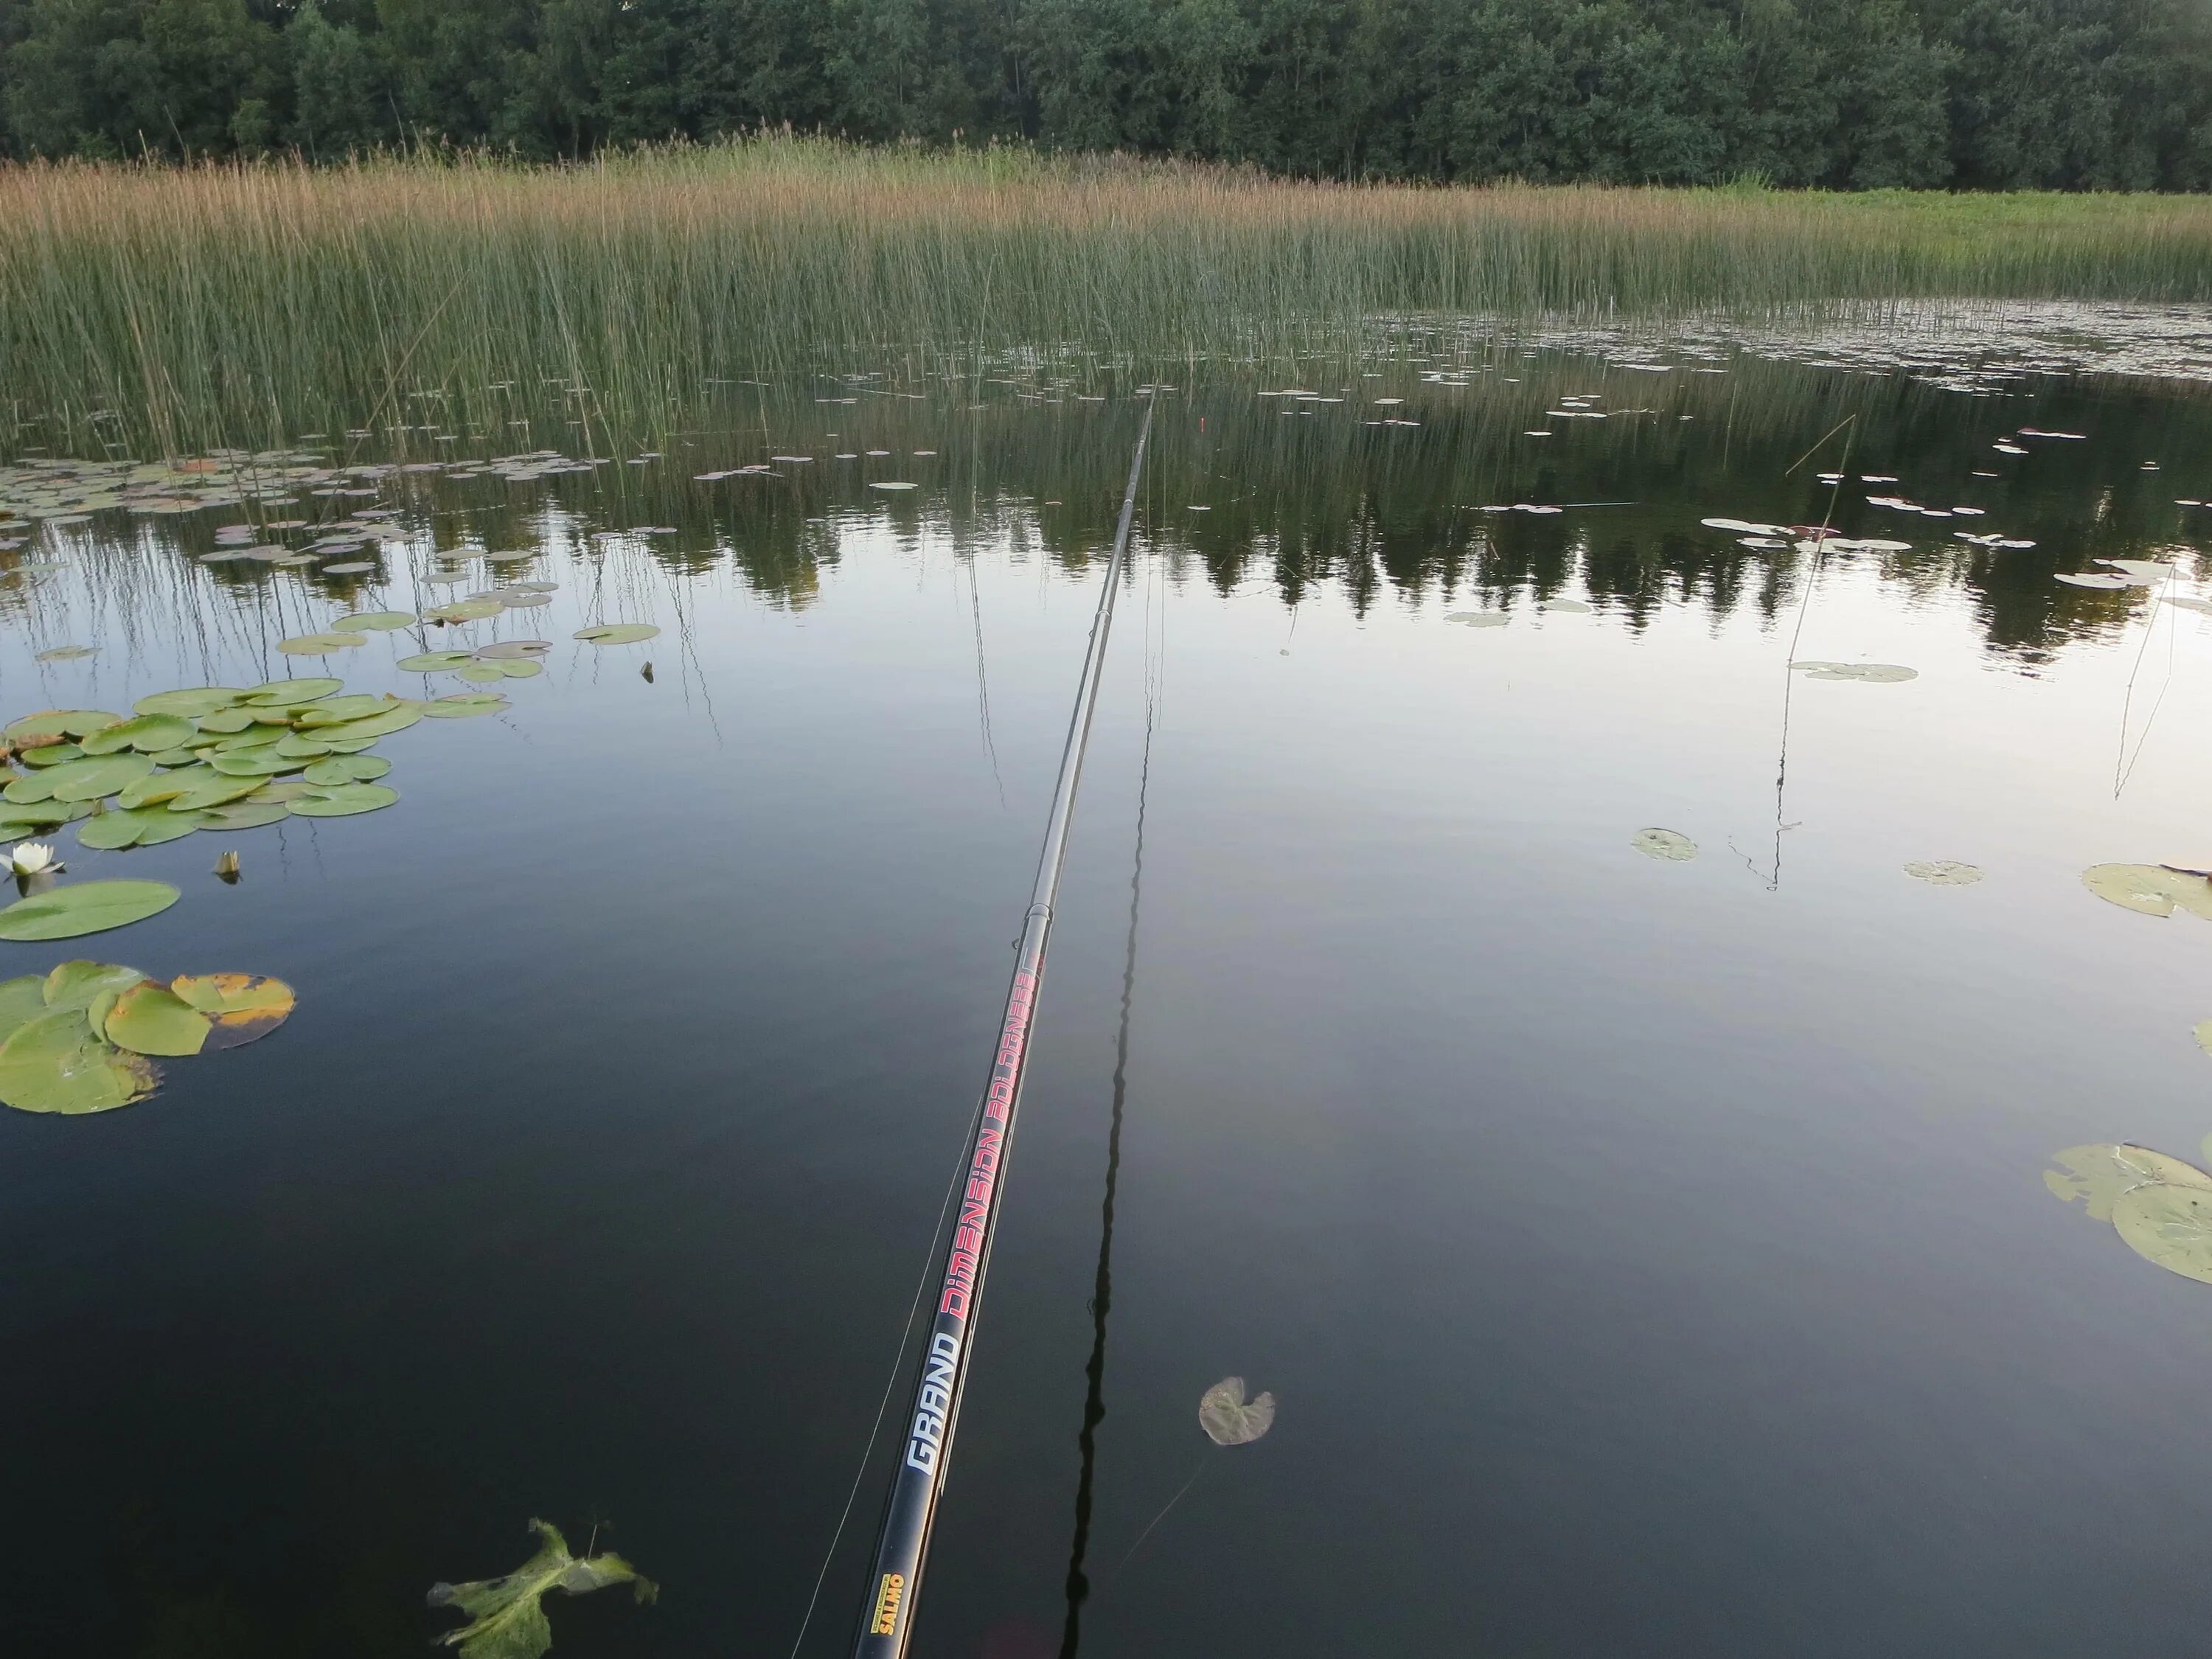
(1804, 605)
(2123, 767)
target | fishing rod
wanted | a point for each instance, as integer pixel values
(926, 1446)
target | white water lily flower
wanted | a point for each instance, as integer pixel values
(30, 857)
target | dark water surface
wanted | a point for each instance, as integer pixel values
(1646, 1256)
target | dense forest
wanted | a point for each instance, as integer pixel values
(2070, 94)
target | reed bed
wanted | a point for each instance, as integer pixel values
(172, 309)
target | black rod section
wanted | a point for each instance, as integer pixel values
(926, 1446)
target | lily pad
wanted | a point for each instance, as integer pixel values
(348, 769)
(483, 673)
(50, 754)
(2140, 572)
(292, 691)
(515, 650)
(2169, 1225)
(462, 610)
(86, 907)
(213, 788)
(22, 1000)
(55, 1064)
(1229, 1418)
(256, 762)
(463, 704)
(338, 800)
(79, 984)
(139, 826)
(517, 671)
(295, 745)
(65, 653)
(189, 703)
(617, 634)
(247, 814)
(337, 711)
(507, 1615)
(1670, 844)
(2091, 579)
(93, 775)
(437, 662)
(151, 1019)
(64, 722)
(2150, 889)
(397, 718)
(1478, 618)
(147, 733)
(2097, 1175)
(1943, 873)
(351, 568)
(318, 645)
(1873, 673)
(239, 1007)
(374, 622)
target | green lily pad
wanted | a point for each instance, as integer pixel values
(55, 1064)
(463, 704)
(78, 984)
(517, 671)
(318, 645)
(284, 789)
(239, 1007)
(176, 757)
(27, 791)
(139, 826)
(1943, 873)
(2150, 889)
(464, 610)
(296, 746)
(513, 650)
(348, 769)
(338, 800)
(94, 775)
(338, 710)
(15, 818)
(67, 722)
(373, 727)
(507, 1615)
(292, 691)
(157, 787)
(215, 789)
(374, 622)
(151, 1019)
(147, 734)
(483, 673)
(256, 762)
(2171, 1225)
(1229, 1418)
(437, 662)
(22, 1000)
(247, 814)
(1875, 673)
(189, 703)
(226, 722)
(2097, 1175)
(1670, 844)
(254, 737)
(66, 654)
(51, 754)
(86, 907)
(617, 633)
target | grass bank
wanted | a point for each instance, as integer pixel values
(175, 308)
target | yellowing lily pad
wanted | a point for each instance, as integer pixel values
(2097, 1175)
(239, 1007)
(2150, 889)
(2169, 1225)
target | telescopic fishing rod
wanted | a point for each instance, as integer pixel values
(926, 1446)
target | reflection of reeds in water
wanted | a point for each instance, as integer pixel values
(243, 303)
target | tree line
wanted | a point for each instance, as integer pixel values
(1985, 94)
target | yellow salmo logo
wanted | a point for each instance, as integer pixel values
(887, 1604)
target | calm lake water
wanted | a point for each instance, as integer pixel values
(1646, 1254)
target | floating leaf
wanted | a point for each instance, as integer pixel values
(22, 1000)
(1875, 673)
(2091, 579)
(140, 826)
(437, 662)
(879, 484)
(617, 633)
(463, 610)
(507, 1614)
(1670, 844)
(374, 622)
(511, 650)
(55, 1064)
(146, 733)
(2097, 1175)
(1574, 607)
(2168, 1224)
(397, 718)
(337, 711)
(1229, 1420)
(210, 788)
(462, 704)
(2151, 890)
(1943, 873)
(2140, 572)
(61, 722)
(247, 814)
(50, 754)
(65, 653)
(348, 769)
(1478, 618)
(93, 775)
(256, 762)
(339, 800)
(239, 1007)
(79, 984)
(351, 567)
(292, 691)
(318, 645)
(483, 673)
(89, 907)
(189, 703)
(521, 671)
(150, 1019)
(294, 745)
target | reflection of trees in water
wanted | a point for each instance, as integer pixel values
(1309, 498)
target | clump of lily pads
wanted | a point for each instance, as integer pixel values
(2160, 1206)
(507, 1615)
(83, 1038)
